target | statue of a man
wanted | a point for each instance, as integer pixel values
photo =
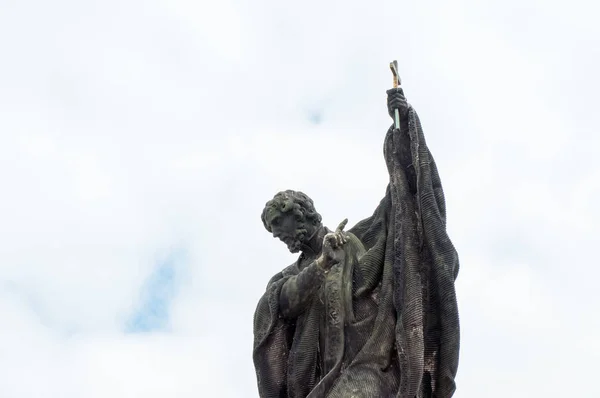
(367, 312)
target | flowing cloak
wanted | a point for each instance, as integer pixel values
(401, 259)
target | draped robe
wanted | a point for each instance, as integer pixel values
(384, 322)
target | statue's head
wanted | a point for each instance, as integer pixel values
(291, 217)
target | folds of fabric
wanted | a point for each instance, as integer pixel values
(423, 264)
(408, 268)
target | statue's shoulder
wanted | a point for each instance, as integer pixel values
(290, 270)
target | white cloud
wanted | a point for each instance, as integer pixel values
(129, 129)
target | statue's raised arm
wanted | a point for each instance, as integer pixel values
(421, 256)
(370, 312)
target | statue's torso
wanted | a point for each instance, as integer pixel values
(340, 338)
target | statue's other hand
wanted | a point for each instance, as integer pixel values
(333, 243)
(397, 100)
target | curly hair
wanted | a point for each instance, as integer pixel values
(295, 201)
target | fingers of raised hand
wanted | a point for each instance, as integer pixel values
(396, 98)
(341, 238)
(335, 240)
(398, 103)
(338, 238)
(342, 225)
(395, 91)
(330, 240)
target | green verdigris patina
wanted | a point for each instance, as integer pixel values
(370, 312)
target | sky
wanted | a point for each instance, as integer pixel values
(140, 140)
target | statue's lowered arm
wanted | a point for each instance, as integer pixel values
(299, 289)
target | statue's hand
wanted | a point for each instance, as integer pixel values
(333, 243)
(396, 100)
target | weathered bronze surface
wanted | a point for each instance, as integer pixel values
(370, 312)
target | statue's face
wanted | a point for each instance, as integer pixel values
(287, 229)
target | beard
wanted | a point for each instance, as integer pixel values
(297, 242)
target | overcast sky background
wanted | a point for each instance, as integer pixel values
(140, 140)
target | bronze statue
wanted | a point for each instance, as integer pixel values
(370, 312)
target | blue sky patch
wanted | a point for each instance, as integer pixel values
(315, 116)
(157, 293)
